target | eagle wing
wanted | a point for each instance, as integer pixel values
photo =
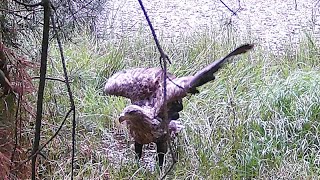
(179, 87)
(144, 86)
(135, 84)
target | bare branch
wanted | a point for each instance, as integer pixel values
(163, 55)
(28, 5)
(174, 159)
(16, 128)
(45, 144)
(72, 104)
(163, 59)
(234, 13)
(50, 78)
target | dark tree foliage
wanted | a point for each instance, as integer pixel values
(76, 14)
(19, 21)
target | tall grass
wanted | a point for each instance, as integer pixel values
(258, 119)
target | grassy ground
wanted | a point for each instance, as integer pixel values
(258, 119)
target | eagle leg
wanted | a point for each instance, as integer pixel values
(175, 108)
(161, 150)
(138, 150)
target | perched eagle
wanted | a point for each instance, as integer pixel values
(144, 87)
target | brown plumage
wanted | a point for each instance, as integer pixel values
(144, 87)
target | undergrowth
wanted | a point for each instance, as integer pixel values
(258, 119)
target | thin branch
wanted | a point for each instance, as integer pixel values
(15, 11)
(234, 13)
(16, 129)
(50, 78)
(163, 59)
(81, 8)
(72, 13)
(174, 159)
(163, 55)
(45, 144)
(24, 17)
(43, 71)
(72, 104)
(29, 5)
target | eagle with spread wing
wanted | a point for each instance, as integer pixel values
(144, 87)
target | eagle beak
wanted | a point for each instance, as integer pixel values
(122, 118)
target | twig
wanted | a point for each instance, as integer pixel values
(72, 104)
(234, 13)
(45, 144)
(43, 71)
(30, 5)
(163, 59)
(82, 7)
(163, 56)
(174, 159)
(16, 130)
(50, 78)
(25, 17)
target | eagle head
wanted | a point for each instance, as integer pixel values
(134, 112)
(131, 112)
